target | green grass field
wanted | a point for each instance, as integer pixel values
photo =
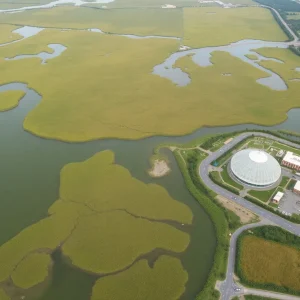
(284, 181)
(32, 270)
(131, 285)
(218, 26)
(10, 99)
(3, 295)
(264, 195)
(128, 21)
(276, 263)
(227, 179)
(89, 201)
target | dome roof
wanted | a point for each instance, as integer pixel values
(255, 167)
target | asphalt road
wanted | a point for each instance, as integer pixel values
(228, 288)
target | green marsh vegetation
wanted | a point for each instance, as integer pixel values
(165, 280)
(252, 56)
(10, 99)
(135, 217)
(165, 22)
(224, 26)
(140, 107)
(32, 270)
(6, 34)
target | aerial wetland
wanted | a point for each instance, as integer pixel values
(83, 105)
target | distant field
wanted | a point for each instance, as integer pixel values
(245, 2)
(6, 34)
(276, 263)
(128, 21)
(293, 16)
(218, 26)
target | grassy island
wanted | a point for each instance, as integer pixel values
(134, 216)
(10, 99)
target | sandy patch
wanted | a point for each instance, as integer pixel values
(245, 215)
(160, 168)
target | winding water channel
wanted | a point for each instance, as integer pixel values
(30, 167)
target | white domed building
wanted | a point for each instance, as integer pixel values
(255, 168)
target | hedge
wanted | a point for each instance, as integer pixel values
(216, 213)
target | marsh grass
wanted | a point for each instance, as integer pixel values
(6, 34)
(10, 99)
(166, 280)
(32, 270)
(100, 222)
(225, 26)
(3, 295)
(129, 21)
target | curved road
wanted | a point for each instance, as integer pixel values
(228, 287)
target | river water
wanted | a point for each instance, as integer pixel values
(29, 173)
(30, 167)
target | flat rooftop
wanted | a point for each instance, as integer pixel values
(291, 158)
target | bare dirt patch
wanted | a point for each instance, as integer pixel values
(245, 215)
(160, 168)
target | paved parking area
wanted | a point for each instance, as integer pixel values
(290, 203)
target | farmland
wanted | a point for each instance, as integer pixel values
(275, 267)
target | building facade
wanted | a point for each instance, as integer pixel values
(292, 161)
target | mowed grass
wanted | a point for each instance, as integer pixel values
(166, 280)
(110, 92)
(165, 22)
(202, 28)
(32, 270)
(10, 99)
(276, 263)
(6, 34)
(98, 229)
(109, 242)
(227, 179)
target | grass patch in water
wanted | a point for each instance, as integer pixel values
(10, 99)
(32, 270)
(130, 21)
(252, 56)
(109, 242)
(166, 280)
(225, 26)
(77, 219)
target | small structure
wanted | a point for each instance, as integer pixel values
(296, 189)
(277, 197)
(280, 153)
(168, 6)
(291, 160)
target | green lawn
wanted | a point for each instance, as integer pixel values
(226, 177)
(284, 181)
(265, 195)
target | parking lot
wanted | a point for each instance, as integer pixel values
(290, 203)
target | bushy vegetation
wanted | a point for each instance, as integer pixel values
(275, 267)
(209, 143)
(166, 280)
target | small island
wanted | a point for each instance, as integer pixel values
(159, 168)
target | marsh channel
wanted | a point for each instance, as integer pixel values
(30, 168)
